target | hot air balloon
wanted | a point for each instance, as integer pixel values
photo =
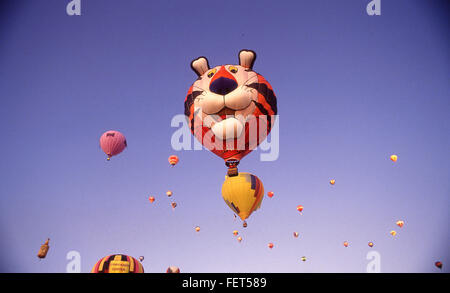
(393, 233)
(141, 258)
(239, 238)
(226, 106)
(300, 208)
(44, 249)
(173, 160)
(346, 243)
(197, 228)
(270, 194)
(400, 223)
(243, 194)
(169, 193)
(151, 199)
(332, 181)
(235, 232)
(438, 264)
(303, 258)
(370, 244)
(173, 270)
(173, 205)
(118, 263)
(295, 234)
(394, 158)
(270, 245)
(112, 143)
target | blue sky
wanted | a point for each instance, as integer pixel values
(352, 90)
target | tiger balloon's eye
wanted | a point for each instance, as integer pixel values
(233, 69)
(211, 73)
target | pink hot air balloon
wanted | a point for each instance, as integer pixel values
(112, 143)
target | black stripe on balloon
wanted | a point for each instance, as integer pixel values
(253, 182)
(265, 112)
(189, 101)
(235, 208)
(267, 93)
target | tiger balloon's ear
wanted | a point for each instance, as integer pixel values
(247, 58)
(200, 65)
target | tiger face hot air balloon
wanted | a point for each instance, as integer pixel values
(230, 108)
(118, 263)
(112, 143)
(243, 194)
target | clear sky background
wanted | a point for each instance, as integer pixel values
(352, 90)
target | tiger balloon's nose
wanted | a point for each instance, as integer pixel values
(223, 86)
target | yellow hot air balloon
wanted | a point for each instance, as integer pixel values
(197, 229)
(235, 232)
(393, 233)
(239, 238)
(243, 194)
(332, 181)
(394, 158)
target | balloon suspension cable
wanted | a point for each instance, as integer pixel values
(232, 167)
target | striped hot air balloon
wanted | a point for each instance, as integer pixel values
(243, 194)
(173, 160)
(112, 143)
(173, 270)
(118, 263)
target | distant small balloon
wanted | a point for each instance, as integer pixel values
(295, 234)
(197, 228)
(300, 208)
(239, 238)
(332, 181)
(174, 205)
(44, 249)
(169, 193)
(394, 158)
(346, 243)
(370, 244)
(400, 223)
(303, 258)
(112, 143)
(270, 194)
(151, 199)
(173, 160)
(438, 264)
(235, 232)
(173, 270)
(393, 233)
(141, 258)
(270, 245)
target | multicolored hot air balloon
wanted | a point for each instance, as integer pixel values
(438, 264)
(235, 232)
(243, 194)
(112, 143)
(239, 238)
(300, 208)
(44, 249)
(332, 181)
(394, 158)
(173, 270)
(270, 245)
(169, 193)
(346, 243)
(270, 194)
(400, 223)
(173, 205)
(295, 234)
(141, 258)
(393, 233)
(118, 263)
(226, 106)
(173, 160)
(151, 199)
